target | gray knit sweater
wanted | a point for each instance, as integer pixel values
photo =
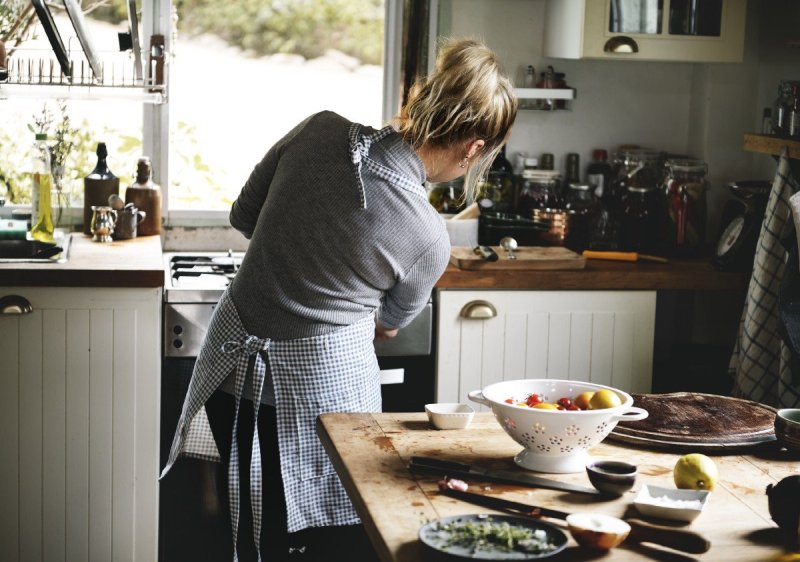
(318, 259)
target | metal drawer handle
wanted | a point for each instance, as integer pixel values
(15, 304)
(478, 310)
(621, 45)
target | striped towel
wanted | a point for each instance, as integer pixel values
(761, 361)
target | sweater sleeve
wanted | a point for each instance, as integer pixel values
(247, 207)
(408, 297)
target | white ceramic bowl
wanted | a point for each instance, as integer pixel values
(449, 416)
(554, 440)
(670, 503)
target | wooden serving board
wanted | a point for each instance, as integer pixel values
(528, 257)
(695, 422)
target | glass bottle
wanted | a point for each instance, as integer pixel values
(146, 196)
(447, 197)
(793, 125)
(573, 174)
(529, 81)
(42, 227)
(501, 182)
(98, 186)
(685, 189)
(599, 172)
(780, 112)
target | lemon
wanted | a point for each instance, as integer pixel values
(604, 398)
(696, 472)
(546, 406)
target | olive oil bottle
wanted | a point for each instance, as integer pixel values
(42, 227)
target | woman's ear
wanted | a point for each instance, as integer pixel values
(475, 147)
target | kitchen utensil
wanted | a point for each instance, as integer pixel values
(50, 29)
(127, 222)
(691, 422)
(509, 245)
(527, 257)
(787, 428)
(486, 253)
(76, 17)
(116, 202)
(553, 440)
(451, 468)
(621, 256)
(136, 45)
(641, 531)
(612, 477)
(103, 219)
(670, 503)
(437, 536)
(449, 416)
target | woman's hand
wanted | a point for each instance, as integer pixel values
(384, 333)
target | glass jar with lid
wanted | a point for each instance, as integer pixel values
(641, 220)
(581, 207)
(539, 189)
(685, 187)
(447, 197)
(639, 168)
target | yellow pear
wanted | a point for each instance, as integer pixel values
(696, 472)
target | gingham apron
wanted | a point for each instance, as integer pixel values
(761, 361)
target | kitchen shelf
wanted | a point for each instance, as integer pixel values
(545, 94)
(771, 144)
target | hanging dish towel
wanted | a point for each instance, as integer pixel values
(761, 361)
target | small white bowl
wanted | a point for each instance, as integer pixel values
(449, 416)
(670, 503)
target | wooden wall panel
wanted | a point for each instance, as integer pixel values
(9, 437)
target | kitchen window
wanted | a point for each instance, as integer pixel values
(229, 101)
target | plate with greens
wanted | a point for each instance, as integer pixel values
(493, 537)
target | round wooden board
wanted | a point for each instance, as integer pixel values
(690, 421)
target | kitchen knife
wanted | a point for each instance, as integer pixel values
(486, 252)
(641, 531)
(449, 468)
(621, 256)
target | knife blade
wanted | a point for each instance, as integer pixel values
(452, 468)
(641, 531)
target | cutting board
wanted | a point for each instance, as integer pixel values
(694, 422)
(528, 257)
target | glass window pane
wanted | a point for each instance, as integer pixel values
(635, 16)
(238, 86)
(695, 17)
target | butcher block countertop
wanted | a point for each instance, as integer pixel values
(677, 274)
(371, 451)
(124, 263)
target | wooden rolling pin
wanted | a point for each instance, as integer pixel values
(621, 256)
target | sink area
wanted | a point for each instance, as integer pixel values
(33, 251)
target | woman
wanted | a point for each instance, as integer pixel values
(344, 248)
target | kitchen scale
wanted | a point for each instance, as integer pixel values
(741, 220)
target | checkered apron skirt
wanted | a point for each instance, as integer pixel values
(336, 372)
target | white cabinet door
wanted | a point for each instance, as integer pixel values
(79, 423)
(644, 30)
(605, 337)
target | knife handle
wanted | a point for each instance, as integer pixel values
(678, 539)
(486, 252)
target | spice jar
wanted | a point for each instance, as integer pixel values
(685, 189)
(641, 220)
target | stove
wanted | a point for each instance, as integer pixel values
(193, 284)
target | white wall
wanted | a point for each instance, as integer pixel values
(697, 109)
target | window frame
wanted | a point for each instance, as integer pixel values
(157, 18)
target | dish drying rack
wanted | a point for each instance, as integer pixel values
(36, 73)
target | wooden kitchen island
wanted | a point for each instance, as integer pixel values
(371, 451)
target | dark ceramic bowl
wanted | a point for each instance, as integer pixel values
(787, 428)
(611, 477)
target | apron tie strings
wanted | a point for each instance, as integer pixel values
(244, 349)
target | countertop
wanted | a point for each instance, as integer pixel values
(370, 453)
(139, 263)
(678, 274)
(124, 263)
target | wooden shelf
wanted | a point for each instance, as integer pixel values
(771, 144)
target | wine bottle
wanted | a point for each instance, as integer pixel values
(98, 186)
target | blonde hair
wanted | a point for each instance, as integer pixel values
(467, 97)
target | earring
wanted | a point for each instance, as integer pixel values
(463, 163)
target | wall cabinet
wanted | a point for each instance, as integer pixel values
(652, 30)
(605, 337)
(79, 422)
